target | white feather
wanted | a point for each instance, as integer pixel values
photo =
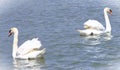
(94, 24)
(28, 46)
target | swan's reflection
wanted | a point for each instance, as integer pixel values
(94, 40)
(34, 64)
(91, 40)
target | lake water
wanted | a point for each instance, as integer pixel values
(55, 22)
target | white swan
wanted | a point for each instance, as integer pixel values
(93, 27)
(29, 49)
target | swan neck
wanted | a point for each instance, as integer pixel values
(108, 26)
(15, 44)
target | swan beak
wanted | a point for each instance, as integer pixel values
(110, 12)
(10, 33)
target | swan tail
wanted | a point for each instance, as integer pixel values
(42, 52)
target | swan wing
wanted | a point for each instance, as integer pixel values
(94, 24)
(33, 54)
(29, 45)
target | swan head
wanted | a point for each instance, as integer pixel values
(108, 10)
(12, 31)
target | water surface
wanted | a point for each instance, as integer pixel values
(55, 22)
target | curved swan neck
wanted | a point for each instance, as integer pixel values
(15, 44)
(108, 26)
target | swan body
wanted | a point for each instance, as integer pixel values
(29, 49)
(93, 27)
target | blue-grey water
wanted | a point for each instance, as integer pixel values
(55, 22)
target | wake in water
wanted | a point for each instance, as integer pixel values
(95, 40)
